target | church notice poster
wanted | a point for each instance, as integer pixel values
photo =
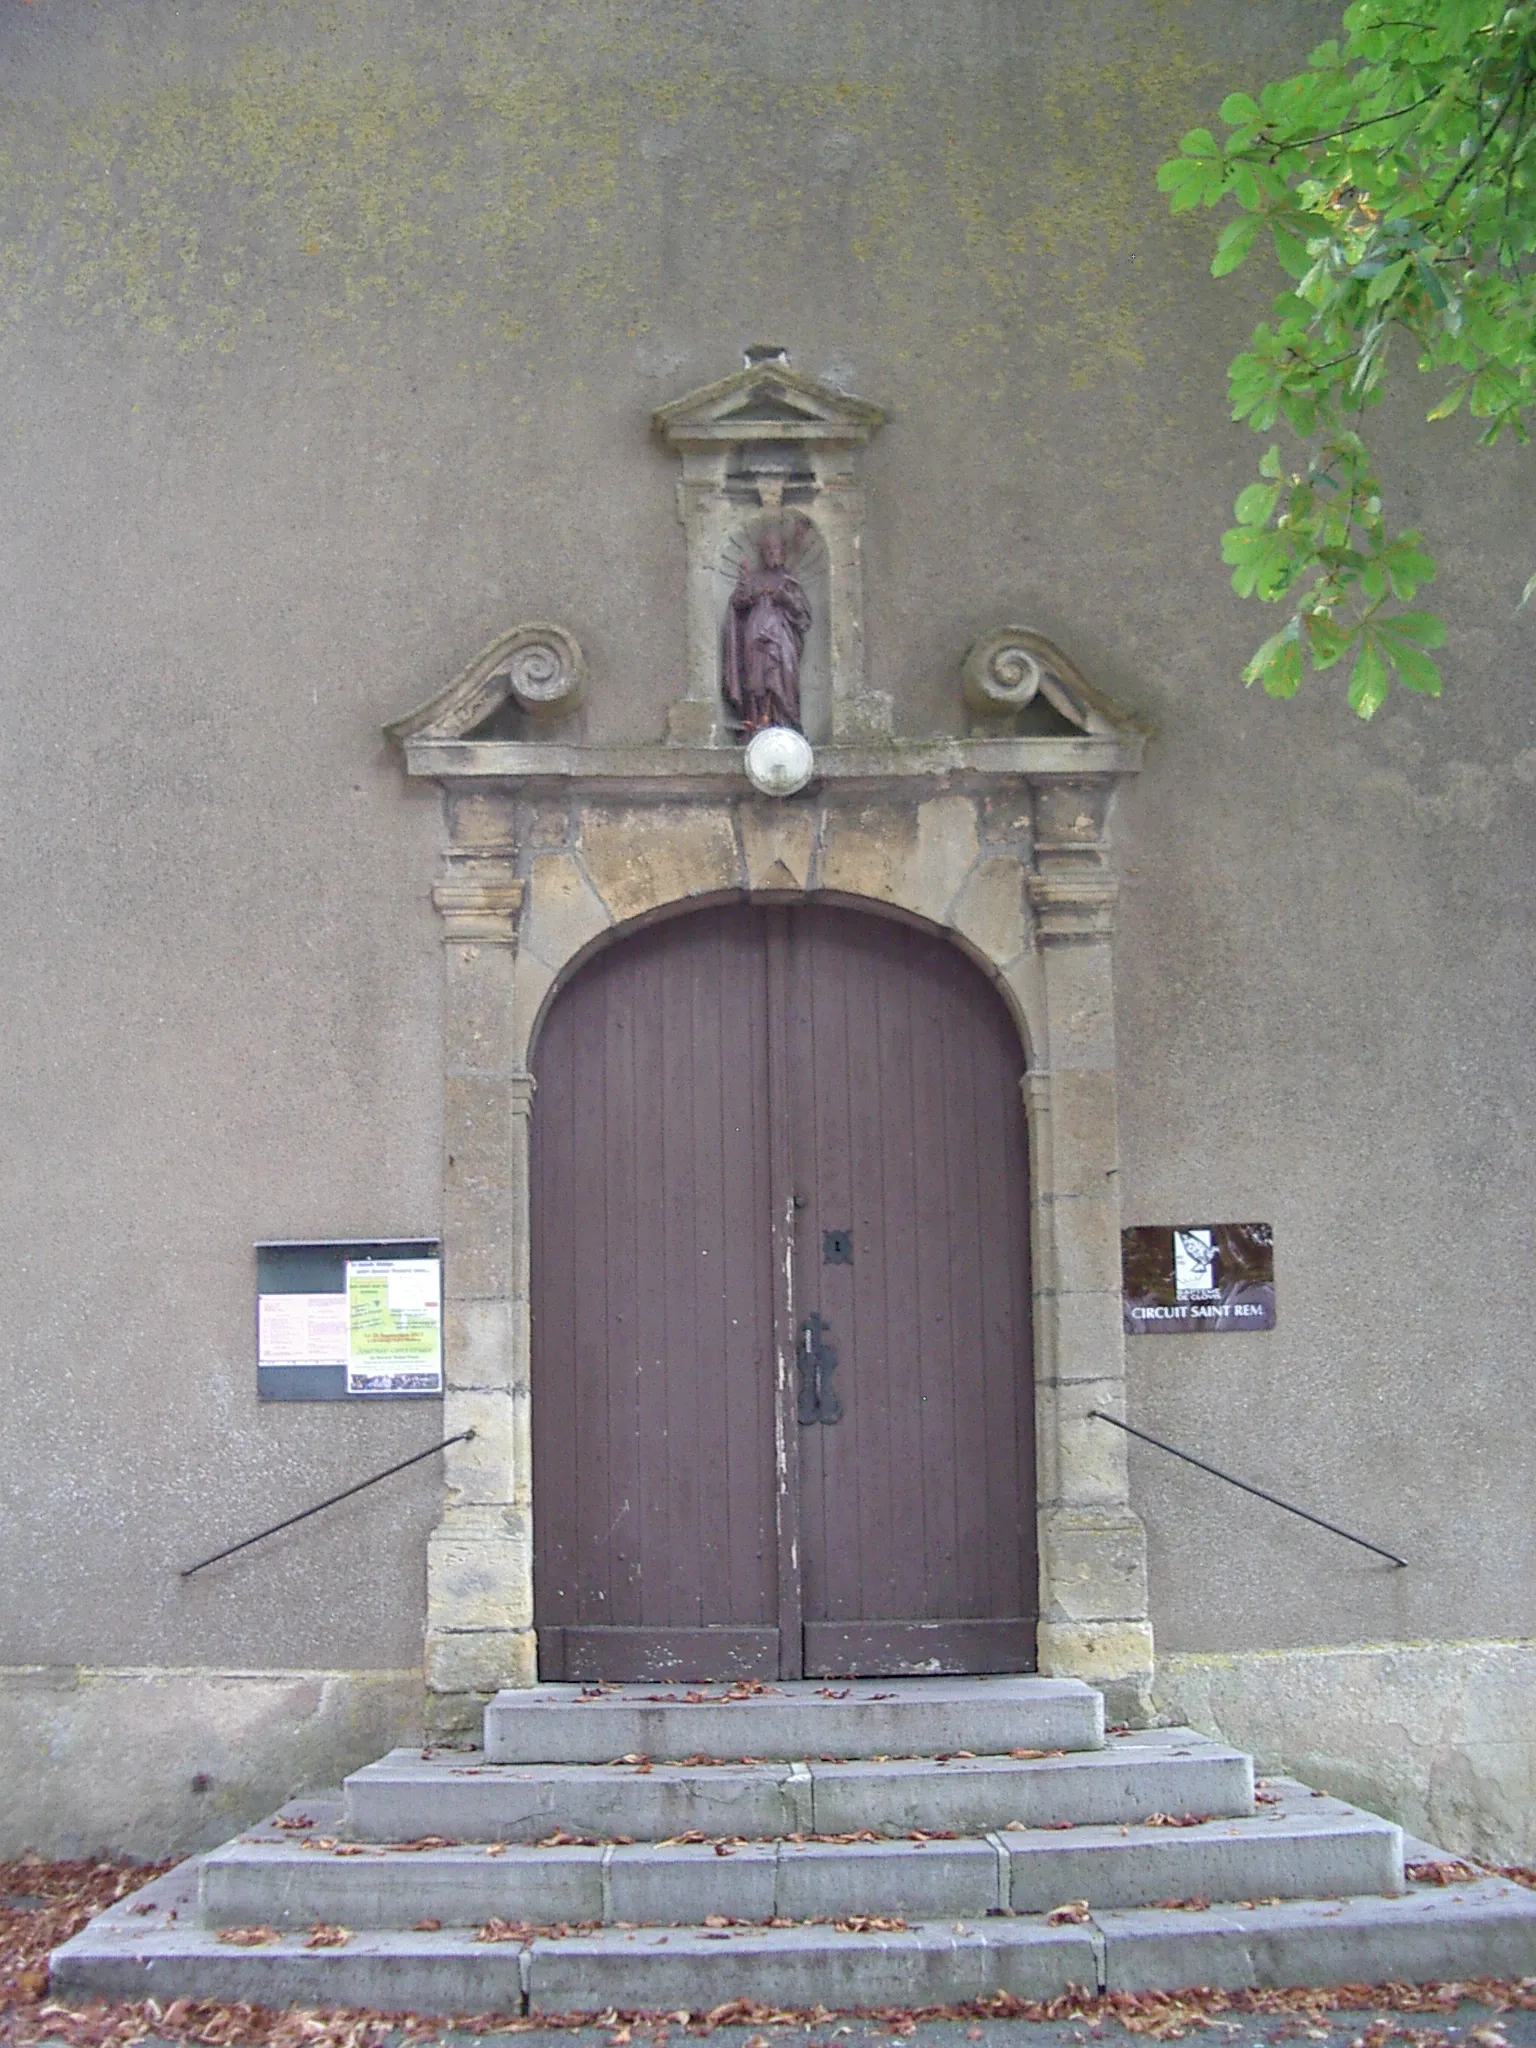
(1197, 1277)
(394, 1326)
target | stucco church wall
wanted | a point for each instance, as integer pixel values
(329, 336)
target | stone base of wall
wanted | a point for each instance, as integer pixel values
(1439, 1736)
(155, 1763)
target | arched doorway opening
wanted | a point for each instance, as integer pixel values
(782, 1365)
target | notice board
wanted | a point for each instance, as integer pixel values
(349, 1319)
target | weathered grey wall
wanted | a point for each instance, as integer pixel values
(158, 1762)
(1437, 1736)
(329, 334)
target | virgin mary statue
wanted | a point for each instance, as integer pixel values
(765, 628)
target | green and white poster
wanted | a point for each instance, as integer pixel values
(394, 1326)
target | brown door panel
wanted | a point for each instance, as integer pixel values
(682, 1655)
(896, 1649)
(721, 1091)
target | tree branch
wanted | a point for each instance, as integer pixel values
(1522, 74)
(1350, 128)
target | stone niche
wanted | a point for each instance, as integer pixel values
(770, 447)
(555, 848)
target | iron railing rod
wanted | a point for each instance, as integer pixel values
(1257, 1491)
(320, 1506)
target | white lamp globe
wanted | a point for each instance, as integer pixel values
(779, 760)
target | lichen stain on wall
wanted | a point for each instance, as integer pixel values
(1059, 219)
(592, 173)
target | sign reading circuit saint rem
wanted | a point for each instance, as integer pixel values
(1197, 1276)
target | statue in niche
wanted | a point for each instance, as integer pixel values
(766, 622)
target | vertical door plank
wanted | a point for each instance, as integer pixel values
(674, 1521)
(745, 1278)
(594, 1586)
(786, 1307)
(970, 1203)
(941, 1284)
(634, 987)
(896, 1552)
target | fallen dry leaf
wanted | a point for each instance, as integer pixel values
(504, 1930)
(322, 1936)
(247, 1937)
(1450, 1870)
(1072, 1914)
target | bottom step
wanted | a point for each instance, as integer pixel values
(148, 1946)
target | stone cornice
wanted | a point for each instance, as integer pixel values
(679, 771)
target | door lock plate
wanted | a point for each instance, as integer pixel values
(816, 1359)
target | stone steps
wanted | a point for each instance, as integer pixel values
(1485, 1928)
(795, 1719)
(1298, 1847)
(514, 1881)
(408, 1794)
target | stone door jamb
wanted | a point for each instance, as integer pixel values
(554, 850)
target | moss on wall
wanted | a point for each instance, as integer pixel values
(293, 174)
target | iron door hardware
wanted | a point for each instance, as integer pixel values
(817, 1359)
(837, 1247)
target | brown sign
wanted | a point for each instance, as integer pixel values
(1197, 1276)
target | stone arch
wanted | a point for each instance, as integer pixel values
(939, 861)
(1016, 991)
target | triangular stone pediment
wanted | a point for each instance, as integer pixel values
(767, 405)
(767, 401)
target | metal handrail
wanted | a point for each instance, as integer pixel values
(362, 1486)
(1274, 1499)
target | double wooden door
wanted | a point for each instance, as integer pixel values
(782, 1381)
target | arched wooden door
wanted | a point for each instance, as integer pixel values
(782, 1362)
